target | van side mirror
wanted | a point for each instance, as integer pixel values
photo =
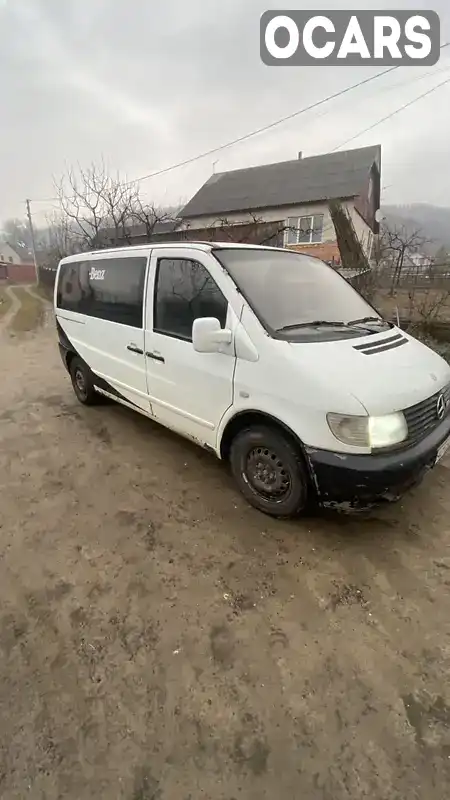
(208, 336)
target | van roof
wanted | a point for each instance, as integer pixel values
(202, 246)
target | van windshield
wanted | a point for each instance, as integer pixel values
(298, 297)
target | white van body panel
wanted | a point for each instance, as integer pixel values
(104, 344)
(198, 394)
(190, 392)
(300, 383)
(281, 385)
(384, 381)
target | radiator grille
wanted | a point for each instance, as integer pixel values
(423, 417)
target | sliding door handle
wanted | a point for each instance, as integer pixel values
(156, 357)
(135, 349)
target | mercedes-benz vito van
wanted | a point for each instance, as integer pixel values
(267, 357)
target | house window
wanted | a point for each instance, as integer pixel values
(10, 260)
(304, 230)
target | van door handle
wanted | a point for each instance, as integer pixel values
(156, 357)
(135, 349)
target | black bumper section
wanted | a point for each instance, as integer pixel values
(363, 480)
(63, 353)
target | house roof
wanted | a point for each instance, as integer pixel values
(135, 231)
(304, 180)
(168, 226)
(22, 251)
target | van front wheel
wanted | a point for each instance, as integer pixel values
(269, 471)
(82, 382)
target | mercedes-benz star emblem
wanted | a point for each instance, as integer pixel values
(441, 407)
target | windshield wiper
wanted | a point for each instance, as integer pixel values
(366, 319)
(316, 323)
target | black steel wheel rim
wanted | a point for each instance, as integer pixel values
(80, 382)
(267, 475)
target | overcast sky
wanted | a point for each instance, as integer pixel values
(145, 84)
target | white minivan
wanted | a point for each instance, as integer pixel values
(267, 357)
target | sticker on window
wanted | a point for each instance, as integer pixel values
(96, 274)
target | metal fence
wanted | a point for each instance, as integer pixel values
(47, 277)
(431, 277)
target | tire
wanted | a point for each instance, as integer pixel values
(82, 382)
(269, 470)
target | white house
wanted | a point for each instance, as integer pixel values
(8, 255)
(295, 195)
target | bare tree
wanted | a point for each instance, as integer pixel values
(149, 215)
(80, 197)
(61, 240)
(120, 202)
(99, 206)
(396, 249)
(427, 306)
(403, 272)
(104, 210)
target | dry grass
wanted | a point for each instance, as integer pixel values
(5, 302)
(423, 299)
(30, 314)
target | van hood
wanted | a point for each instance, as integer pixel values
(388, 371)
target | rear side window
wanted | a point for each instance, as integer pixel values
(110, 289)
(185, 291)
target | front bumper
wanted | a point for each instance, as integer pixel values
(344, 480)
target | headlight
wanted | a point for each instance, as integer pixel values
(372, 432)
(388, 430)
(350, 429)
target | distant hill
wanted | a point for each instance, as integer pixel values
(433, 221)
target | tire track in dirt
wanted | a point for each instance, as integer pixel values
(47, 305)
(9, 317)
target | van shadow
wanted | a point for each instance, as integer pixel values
(173, 445)
(390, 524)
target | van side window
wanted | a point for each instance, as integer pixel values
(110, 289)
(70, 291)
(184, 291)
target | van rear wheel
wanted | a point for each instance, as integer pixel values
(269, 471)
(82, 382)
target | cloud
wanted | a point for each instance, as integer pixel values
(144, 85)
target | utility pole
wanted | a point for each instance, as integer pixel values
(33, 242)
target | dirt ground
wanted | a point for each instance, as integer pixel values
(161, 640)
(427, 303)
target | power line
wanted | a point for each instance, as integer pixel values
(262, 129)
(393, 87)
(282, 120)
(392, 114)
(246, 136)
(44, 199)
(274, 124)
